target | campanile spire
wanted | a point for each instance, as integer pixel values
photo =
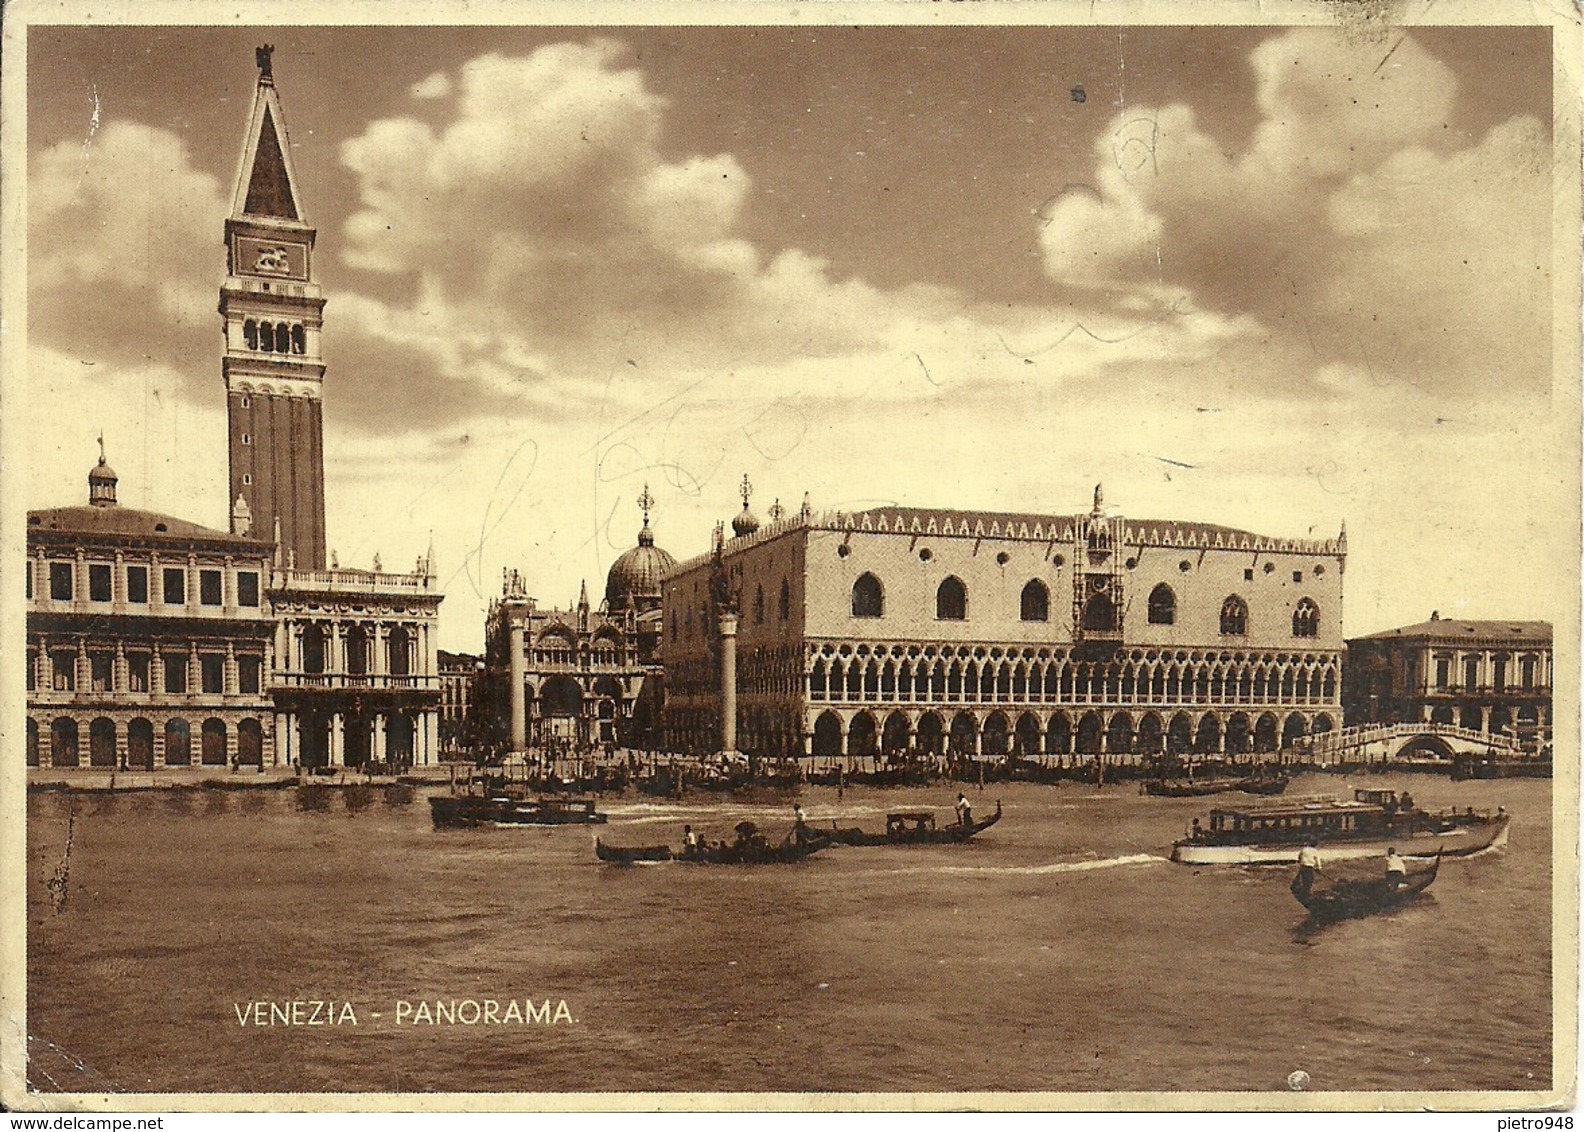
(272, 308)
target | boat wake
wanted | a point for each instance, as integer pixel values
(1041, 870)
(641, 814)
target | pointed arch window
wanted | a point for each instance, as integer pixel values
(758, 605)
(1034, 605)
(951, 601)
(1163, 606)
(868, 598)
(1234, 617)
(785, 607)
(1306, 619)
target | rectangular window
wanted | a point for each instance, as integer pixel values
(247, 587)
(1527, 671)
(101, 667)
(175, 586)
(63, 671)
(1443, 673)
(209, 587)
(1297, 575)
(137, 671)
(137, 584)
(98, 582)
(1248, 575)
(211, 669)
(60, 581)
(248, 668)
(1499, 675)
(27, 574)
(32, 670)
(1470, 674)
(175, 673)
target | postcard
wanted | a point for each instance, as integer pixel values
(831, 556)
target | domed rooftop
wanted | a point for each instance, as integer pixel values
(745, 522)
(634, 578)
(102, 481)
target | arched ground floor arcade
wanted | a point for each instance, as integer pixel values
(146, 737)
(1126, 733)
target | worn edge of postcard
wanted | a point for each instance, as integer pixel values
(1353, 17)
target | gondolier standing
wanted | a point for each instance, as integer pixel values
(964, 811)
(800, 830)
(1308, 865)
(1396, 869)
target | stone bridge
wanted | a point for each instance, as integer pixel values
(1382, 742)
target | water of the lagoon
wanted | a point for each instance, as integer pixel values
(1061, 951)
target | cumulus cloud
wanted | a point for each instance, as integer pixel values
(1348, 220)
(123, 254)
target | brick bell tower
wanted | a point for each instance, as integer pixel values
(272, 311)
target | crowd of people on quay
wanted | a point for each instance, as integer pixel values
(563, 766)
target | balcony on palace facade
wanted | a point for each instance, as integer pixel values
(353, 681)
(355, 582)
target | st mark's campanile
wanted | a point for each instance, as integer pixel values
(272, 310)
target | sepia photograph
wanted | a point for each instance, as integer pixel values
(847, 556)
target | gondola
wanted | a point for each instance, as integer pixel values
(1348, 896)
(1189, 788)
(914, 827)
(1261, 784)
(626, 856)
(749, 849)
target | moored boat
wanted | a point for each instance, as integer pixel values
(1345, 896)
(914, 827)
(1199, 787)
(1366, 825)
(465, 810)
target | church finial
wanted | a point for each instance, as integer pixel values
(1099, 498)
(646, 502)
(261, 56)
(745, 489)
(777, 512)
(101, 448)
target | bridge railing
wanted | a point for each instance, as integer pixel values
(1331, 744)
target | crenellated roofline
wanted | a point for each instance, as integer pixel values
(1031, 528)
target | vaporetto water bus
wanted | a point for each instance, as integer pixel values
(1365, 825)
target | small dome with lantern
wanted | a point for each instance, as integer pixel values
(634, 578)
(102, 481)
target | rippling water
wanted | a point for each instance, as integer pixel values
(1061, 951)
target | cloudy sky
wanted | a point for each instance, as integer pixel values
(1275, 279)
